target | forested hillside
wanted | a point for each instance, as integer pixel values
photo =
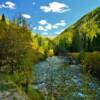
(43, 45)
(83, 35)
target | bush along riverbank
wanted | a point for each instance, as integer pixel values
(91, 62)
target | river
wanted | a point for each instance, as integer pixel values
(56, 79)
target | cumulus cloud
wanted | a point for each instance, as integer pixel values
(49, 26)
(62, 23)
(46, 26)
(34, 28)
(55, 7)
(27, 16)
(42, 22)
(9, 5)
(41, 28)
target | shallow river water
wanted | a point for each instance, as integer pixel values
(57, 80)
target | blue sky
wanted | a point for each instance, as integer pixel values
(48, 17)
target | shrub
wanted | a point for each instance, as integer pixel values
(82, 57)
(50, 52)
(93, 63)
(34, 94)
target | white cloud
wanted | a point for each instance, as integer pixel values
(55, 26)
(44, 25)
(57, 33)
(41, 28)
(56, 7)
(42, 22)
(34, 28)
(48, 26)
(45, 33)
(62, 23)
(9, 5)
(34, 3)
(27, 16)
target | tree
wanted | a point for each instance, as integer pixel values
(16, 51)
(3, 18)
(50, 52)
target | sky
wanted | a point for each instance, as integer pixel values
(48, 17)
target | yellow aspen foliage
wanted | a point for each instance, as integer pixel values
(50, 52)
(41, 50)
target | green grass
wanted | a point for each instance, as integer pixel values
(34, 94)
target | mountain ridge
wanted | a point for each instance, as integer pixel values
(89, 25)
(84, 16)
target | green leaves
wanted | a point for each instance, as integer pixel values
(83, 35)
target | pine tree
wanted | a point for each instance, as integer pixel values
(3, 18)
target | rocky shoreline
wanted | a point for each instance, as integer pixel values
(65, 79)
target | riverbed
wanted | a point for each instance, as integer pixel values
(56, 79)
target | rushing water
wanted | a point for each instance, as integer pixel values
(58, 80)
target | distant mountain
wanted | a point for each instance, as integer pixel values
(83, 35)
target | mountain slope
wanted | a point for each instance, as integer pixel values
(84, 34)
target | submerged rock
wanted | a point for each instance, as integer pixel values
(68, 81)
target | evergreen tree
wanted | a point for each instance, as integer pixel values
(3, 18)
